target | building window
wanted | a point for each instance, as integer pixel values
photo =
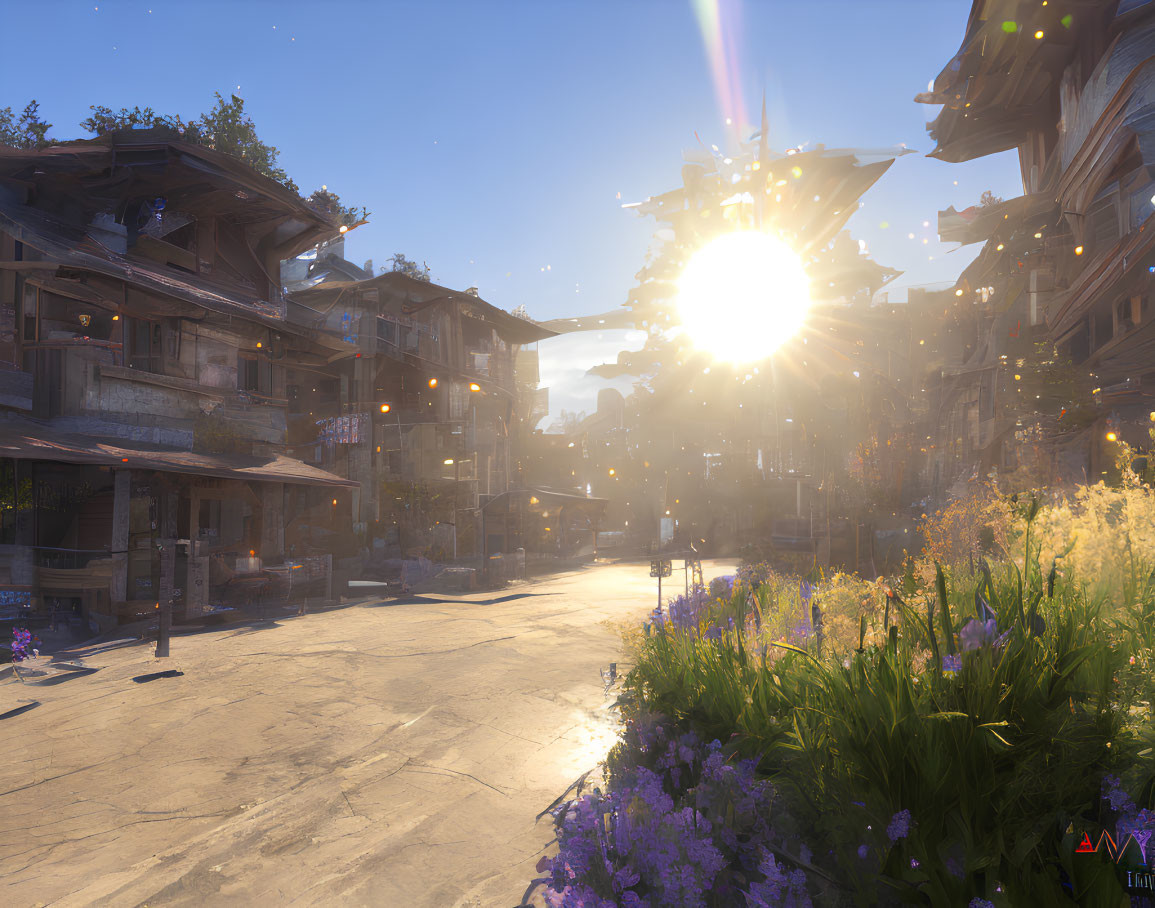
(29, 314)
(142, 345)
(387, 331)
(254, 374)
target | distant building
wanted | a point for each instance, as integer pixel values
(422, 399)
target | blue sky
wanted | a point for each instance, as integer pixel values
(491, 140)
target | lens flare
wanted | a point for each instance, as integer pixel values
(721, 27)
(742, 296)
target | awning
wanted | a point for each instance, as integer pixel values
(20, 440)
(591, 506)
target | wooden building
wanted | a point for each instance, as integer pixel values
(1070, 264)
(422, 406)
(143, 397)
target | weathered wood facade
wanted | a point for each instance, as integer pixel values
(1071, 263)
(423, 396)
(143, 404)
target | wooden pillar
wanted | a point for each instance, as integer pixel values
(196, 584)
(122, 492)
(272, 521)
(168, 506)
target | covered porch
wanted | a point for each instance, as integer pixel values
(107, 531)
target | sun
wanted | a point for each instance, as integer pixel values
(742, 296)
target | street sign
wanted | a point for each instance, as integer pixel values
(663, 568)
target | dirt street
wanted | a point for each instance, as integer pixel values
(382, 754)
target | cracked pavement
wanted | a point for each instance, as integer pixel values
(382, 754)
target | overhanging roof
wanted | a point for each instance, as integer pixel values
(22, 440)
(1004, 79)
(106, 164)
(564, 499)
(424, 293)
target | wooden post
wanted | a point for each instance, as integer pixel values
(122, 492)
(195, 588)
(168, 506)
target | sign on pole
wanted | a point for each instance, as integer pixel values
(661, 568)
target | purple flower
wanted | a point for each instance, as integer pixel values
(1114, 793)
(975, 634)
(980, 903)
(899, 827)
(913, 863)
(779, 888)
(862, 851)
(21, 643)
(952, 663)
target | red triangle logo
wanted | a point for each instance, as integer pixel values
(1085, 846)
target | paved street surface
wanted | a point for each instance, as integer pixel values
(385, 755)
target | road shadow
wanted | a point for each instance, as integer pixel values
(426, 599)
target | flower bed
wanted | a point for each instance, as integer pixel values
(943, 749)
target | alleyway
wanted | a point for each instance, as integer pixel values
(386, 755)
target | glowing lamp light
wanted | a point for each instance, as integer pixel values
(448, 461)
(116, 318)
(252, 553)
(999, 248)
(385, 408)
(344, 228)
(958, 292)
(1078, 250)
(612, 471)
(259, 345)
(746, 278)
(433, 383)
(1112, 436)
(474, 386)
(1039, 35)
(334, 502)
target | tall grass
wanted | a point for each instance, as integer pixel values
(994, 742)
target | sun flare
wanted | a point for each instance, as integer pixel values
(742, 296)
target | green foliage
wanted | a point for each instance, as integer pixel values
(330, 203)
(225, 128)
(410, 268)
(27, 130)
(104, 120)
(994, 761)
